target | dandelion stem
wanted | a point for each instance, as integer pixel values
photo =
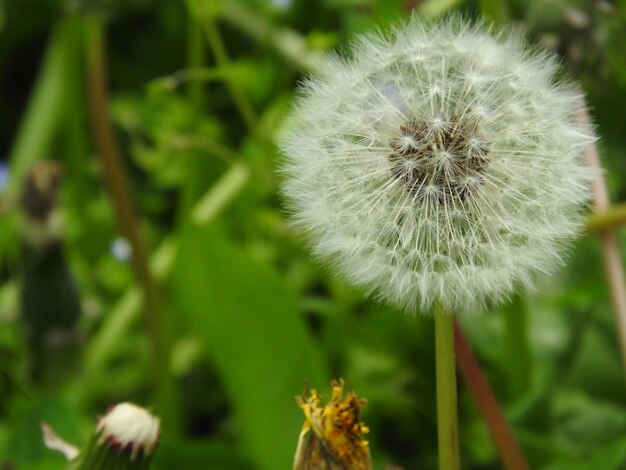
(613, 266)
(447, 419)
(487, 404)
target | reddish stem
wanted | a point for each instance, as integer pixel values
(487, 403)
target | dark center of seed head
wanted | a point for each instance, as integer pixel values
(442, 160)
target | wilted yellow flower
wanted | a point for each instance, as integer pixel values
(336, 441)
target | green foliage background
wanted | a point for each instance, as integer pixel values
(251, 318)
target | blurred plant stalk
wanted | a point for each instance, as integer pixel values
(116, 181)
(204, 14)
(613, 265)
(288, 43)
(487, 403)
(610, 218)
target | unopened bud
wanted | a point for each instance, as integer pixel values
(125, 439)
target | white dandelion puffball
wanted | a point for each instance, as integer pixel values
(442, 162)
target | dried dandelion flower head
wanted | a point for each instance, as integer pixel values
(441, 162)
(332, 437)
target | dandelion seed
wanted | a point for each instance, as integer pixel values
(443, 162)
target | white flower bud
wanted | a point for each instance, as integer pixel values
(129, 428)
(441, 162)
(125, 438)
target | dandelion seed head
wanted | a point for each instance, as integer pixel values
(444, 161)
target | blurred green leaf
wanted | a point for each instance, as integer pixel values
(198, 455)
(28, 450)
(42, 116)
(608, 457)
(249, 322)
(584, 424)
(597, 368)
(168, 138)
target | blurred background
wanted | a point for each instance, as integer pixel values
(177, 284)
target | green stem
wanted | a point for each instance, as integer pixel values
(447, 419)
(517, 347)
(245, 108)
(197, 75)
(288, 43)
(116, 180)
(487, 404)
(200, 142)
(608, 219)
